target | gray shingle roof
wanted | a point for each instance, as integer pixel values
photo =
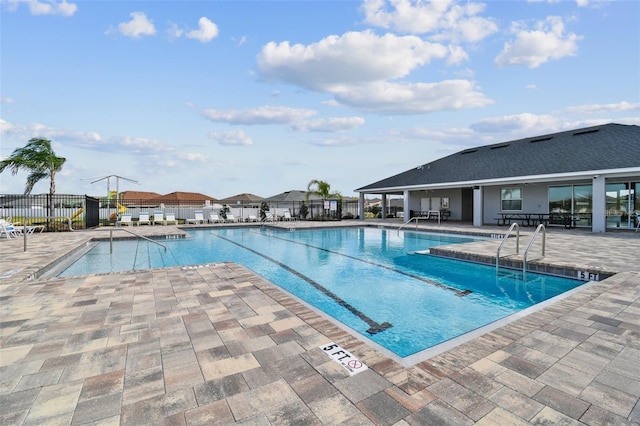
(609, 146)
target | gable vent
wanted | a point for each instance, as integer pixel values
(585, 132)
(468, 151)
(541, 139)
(500, 146)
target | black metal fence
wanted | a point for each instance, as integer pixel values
(62, 211)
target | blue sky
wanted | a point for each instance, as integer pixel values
(227, 97)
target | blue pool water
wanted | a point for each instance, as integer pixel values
(370, 279)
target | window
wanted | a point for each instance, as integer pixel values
(511, 199)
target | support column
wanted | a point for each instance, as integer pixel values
(383, 207)
(405, 205)
(361, 206)
(599, 194)
(478, 211)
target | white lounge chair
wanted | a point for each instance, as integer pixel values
(126, 219)
(252, 218)
(214, 218)
(143, 219)
(171, 218)
(199, 217)
(287, 216)
(231, 218)
(269, 217)
(158, 217)
(8, 229)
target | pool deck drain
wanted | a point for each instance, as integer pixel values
(218, 344)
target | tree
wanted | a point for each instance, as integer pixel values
(323, 190)
(38, 158)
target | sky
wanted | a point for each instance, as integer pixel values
(261, 97)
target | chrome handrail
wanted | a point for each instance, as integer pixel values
(504, 240)
(132, 233)
(542, 228)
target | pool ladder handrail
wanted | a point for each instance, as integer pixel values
(407, 222)
(542, 228)
(513, 226)
(132, 233)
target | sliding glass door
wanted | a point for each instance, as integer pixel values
(623, 200)
(573, 200)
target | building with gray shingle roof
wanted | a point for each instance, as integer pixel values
(599, 167)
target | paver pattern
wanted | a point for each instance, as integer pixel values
(217, 344)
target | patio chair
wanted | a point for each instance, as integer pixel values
(231, 218)
(158, 217)
(143, 219)
(171, 218)
(287, 216)
(637, 220)
(125, 219)
(252, 218)
(214, 218)
(8, 229)
(199, 217)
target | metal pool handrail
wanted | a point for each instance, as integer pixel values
(542, 228)
(504, 240)
(132, 233)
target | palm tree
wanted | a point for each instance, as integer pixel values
(323, 190)
(38, 158)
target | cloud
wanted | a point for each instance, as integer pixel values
(234, 137)
(516, 123)
(262, 115)
(413, 98)
(602, 108)
(535, 47)
(37, 130)
(336, 124)
(206, 31)
(7, 100)
(62, 8)
(351, 59)
(139, 25)
(441, 19)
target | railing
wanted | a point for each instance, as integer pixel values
(533, 238)
(132, 233)
(407, 222)
(504, 240)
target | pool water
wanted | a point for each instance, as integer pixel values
(372, 280)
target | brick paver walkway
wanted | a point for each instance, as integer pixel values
(217, 344)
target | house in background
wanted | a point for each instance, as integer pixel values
(591, 175)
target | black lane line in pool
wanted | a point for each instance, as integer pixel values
(459, 293)
(374, 327)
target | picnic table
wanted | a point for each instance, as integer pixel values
(431, 214)
(534, 219)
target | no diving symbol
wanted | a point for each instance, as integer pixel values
(354, 364)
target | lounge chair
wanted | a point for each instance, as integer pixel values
(125, 219)
(143, 219)
(8, 229)
(199, 217)
(158, 217)
(269, 217)
(171, 218)
(252, 218)
(18, 229)
(287, 216)
(214, 218)
(231, 218)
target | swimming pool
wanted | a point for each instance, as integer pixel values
(370, 279)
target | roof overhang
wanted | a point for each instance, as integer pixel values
(552, 177)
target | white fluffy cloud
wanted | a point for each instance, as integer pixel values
(36, 7)
(441, 19)
(267, 114)
(512, 123)
(604, 108)
(37, 130)
(233, 137)
(413, 98)
(353, 58)
(533, 48)
(336, 124)
(206, 31)
(139, 25)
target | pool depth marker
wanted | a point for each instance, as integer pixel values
(374, 327)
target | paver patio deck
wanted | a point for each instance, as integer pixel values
(217, 344)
